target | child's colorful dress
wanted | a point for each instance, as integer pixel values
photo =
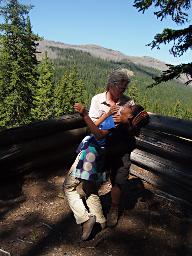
(91, 153)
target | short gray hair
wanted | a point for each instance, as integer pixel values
(119, 76)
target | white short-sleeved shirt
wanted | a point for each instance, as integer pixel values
(99, 105)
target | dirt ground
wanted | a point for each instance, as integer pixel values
(39, 222)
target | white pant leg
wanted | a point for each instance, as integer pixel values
(95, 207)
(75, 202)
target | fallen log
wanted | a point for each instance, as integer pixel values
(17, 159)
(40, 129)
(171, 125)
(166, 145)
(163, 167)
(166, 185)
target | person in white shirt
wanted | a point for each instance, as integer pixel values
(117, 83)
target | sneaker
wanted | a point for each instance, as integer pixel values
(112, 217)
(87, 227)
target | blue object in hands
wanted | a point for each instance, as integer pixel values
(107, 124)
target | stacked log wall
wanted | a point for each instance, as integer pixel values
(162, 158)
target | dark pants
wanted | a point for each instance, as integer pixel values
(118, 161)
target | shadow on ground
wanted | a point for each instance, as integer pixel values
(40, 223)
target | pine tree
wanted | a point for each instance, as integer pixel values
(181, 38)
(144, 102)
(17, 64)
(177, 109)
(43, 95)
(187, 113)
(133, 92)
(69, 90)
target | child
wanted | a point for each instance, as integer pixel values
(88, 167)
(92, 148)
(90, 186)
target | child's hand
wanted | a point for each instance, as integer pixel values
(78, 107)
(114, 109)
(117, 118)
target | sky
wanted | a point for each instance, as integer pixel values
(113, 24)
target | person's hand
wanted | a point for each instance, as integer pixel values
(117, 119)
(114, 109)
(78, 107)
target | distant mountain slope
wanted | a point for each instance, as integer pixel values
(103, 53)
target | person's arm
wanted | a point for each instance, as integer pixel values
(111, 111)
(93, 128)
(97, 114)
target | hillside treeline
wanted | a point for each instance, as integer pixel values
(31, 90)
(171, 98)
